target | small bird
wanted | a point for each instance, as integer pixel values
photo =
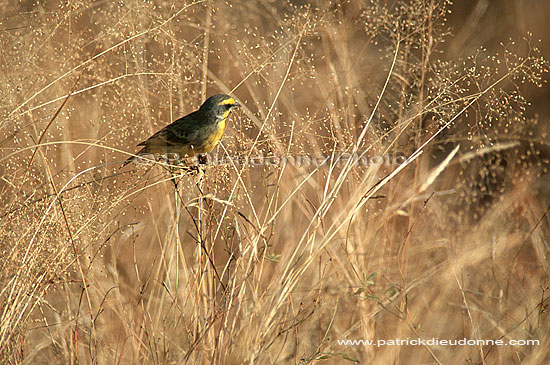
(193, 134)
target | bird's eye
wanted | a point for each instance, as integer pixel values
(228, 106)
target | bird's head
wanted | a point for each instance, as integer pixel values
(220, 105)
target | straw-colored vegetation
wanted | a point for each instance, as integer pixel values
(273, 263)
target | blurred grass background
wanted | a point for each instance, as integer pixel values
(275, 264)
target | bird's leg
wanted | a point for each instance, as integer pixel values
(202, 159)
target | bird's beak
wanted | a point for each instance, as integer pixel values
(237, 104)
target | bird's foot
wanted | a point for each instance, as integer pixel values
(202, 159)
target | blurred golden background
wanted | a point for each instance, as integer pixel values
(275, 263)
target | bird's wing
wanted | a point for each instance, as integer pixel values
(178, 133)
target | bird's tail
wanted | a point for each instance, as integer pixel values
(133, 158)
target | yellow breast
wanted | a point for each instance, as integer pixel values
(213, 140)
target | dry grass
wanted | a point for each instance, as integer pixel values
(272, 264)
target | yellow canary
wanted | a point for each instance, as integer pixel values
(193, 134)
